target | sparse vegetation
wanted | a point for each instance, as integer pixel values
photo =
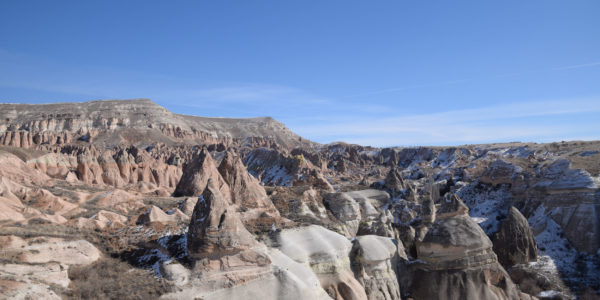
(111, 278)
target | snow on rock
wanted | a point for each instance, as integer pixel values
(487, 204)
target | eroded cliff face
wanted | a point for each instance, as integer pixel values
(228, 209)
(132, 122)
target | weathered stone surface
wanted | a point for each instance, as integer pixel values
(451, 206)
(327, 254)
(154, 214)
(358, 207)
(374, 260)
(573, 199)
(485, 282)
(394, 182)
(246, 191)
(272, 167)
(215, 228)
(16, 170)
(515, 243)
(49, 273)
(284, 279)
(101, 220)
(451, 242)
(500, 172)
(197, 173)
(44, 250)
(138, 121)
(456, 260)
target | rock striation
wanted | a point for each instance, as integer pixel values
(374, 260)
(215, 228)
(359, 207)
(327, 254)
(133, 122)
(196, 175)
(456, 261)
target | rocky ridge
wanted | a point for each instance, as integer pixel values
(245, 214)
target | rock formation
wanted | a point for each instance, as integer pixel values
(215, 228)
(515, 243)
(374, 264)
(354, 208)
(394, 182)
(457, 261)
(196, 175)
(327, 254)
(245, 189)
(146, 203)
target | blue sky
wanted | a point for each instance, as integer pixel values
(370, 72)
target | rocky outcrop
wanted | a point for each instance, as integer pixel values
(394, 182)
(500, 172)
(374, 260)
(354, 208)
(272, 167)
(215, 228)
(155, 215)
(451, 206)
(102, 220)
(245, 189)
(327, 254)
(572, 198)
(196, 175)
(515, 243)
(456, 261)
(229, 262)
(45, 250)
(14, 169)
(136, 122)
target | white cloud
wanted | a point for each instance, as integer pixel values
(578, 66)
(487, 124)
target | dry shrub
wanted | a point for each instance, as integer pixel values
(111, 278)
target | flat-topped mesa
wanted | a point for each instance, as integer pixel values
(137, 122)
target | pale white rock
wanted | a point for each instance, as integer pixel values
(374, 261)
(49, 273)
(327, 254)
(44, 250)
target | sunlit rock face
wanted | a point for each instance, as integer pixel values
(457, 260)
(327, 254)
(374, 260)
